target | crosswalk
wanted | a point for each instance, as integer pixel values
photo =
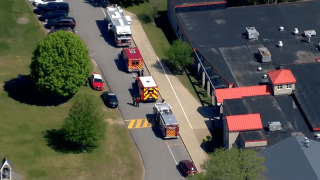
(139, 123)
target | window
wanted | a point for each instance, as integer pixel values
(289, 86)
(279, 87)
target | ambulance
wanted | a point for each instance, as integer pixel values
(133, 59)
(148, 88)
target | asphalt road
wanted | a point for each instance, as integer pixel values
(159, 156)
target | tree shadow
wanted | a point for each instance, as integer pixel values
(108, 36)
(23, 90)
(163, 23)
(55, 139)
(144, 18)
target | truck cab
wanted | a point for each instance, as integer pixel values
(167, 122)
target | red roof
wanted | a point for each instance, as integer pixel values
(132, 53)
(239, 92)
(281, 76)
(244, 122)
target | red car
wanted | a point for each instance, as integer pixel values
(96, 81)
(187, 167)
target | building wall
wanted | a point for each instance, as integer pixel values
(233, 136)
(256, 143)
(173, 18)
(284, 89)
(229, 138)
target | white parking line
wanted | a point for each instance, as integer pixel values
(175, 93)
(171, 153)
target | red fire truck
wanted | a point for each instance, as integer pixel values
(148, 88)
(133, 59)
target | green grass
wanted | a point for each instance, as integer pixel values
(22, 125)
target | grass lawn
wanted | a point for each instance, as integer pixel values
(159, 36)
(22, 139)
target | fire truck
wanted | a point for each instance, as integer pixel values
(168, 123)
(133, 59)
(120, 25)
(148, 88)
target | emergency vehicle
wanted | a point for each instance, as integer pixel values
(133, 59)
(168, 123)
(120, 25)
(148, 88)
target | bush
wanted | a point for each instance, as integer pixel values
(179, 55)
(60, 64)
(85, 124)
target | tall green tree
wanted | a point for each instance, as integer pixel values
(179, 55)
(85, 124)
(240, 164)
(60, 64)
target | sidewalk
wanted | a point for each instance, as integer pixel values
(185, 107)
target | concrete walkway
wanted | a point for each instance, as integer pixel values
(185, 107)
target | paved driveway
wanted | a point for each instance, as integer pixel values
(159, 156)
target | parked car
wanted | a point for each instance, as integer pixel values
(37, 2)
(187, 167)
(96, 81)
(53, 15)
(69, 29)
(62, 22)
(110, 99)
(42, 8)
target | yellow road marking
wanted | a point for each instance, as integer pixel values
(138, 123)
(131, 124)
(145, 123)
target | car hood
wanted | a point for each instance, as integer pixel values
(98, 84)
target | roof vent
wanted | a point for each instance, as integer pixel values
(259, 69)
(281, 28)
(265, 76)
(295, 31)
(309, 38)
(252, 33)
(275, 126)
(280, 44)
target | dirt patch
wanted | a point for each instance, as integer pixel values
(111, 121)
(22, 21)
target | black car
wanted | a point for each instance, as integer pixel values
(62, 22)
(53, 15)
(42, 8)
(69, 29)
(110, 99)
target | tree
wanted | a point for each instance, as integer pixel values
(179, 55)
(85, 126)
(232, 164)
(60, 64)
(154, 7)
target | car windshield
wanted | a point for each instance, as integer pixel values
(113, 98)
(98, 80)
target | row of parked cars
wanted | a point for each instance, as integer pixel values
(55, 13)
